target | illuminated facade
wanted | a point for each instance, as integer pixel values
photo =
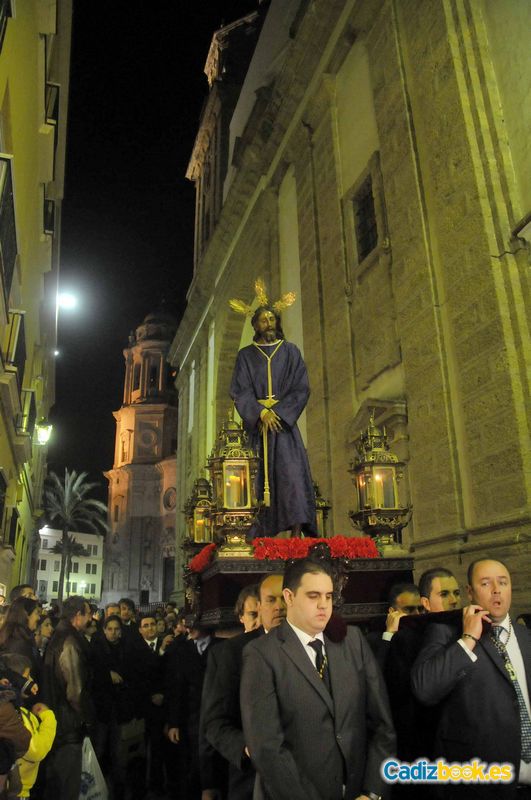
(140, 548)
(378, 164)
(86, 571)
(34, 73)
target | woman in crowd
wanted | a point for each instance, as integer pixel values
(17, 635)
(43, 633)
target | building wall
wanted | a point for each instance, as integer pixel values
(34, 73)
(87, 571)
(431, 326)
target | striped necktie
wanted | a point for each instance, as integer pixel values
(525, 721)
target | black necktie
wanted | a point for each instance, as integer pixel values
(321, 662)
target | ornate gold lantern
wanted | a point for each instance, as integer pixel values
(376, 473)
(322, 507)
(197, 513)
(233, 466)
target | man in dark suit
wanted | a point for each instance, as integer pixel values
(145, 652)
(185, 669)
(480, 673)
(220, 708)
(315, 713)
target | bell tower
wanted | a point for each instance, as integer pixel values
(140, 549)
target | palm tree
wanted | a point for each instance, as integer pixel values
(67, 505)
(73, 548)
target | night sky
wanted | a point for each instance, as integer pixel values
(136, 92)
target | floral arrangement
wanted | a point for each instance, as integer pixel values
(340, 547)
(270, 549)
(202, 559)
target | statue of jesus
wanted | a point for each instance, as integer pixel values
(270, 390)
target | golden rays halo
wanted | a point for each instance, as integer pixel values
(285, 301)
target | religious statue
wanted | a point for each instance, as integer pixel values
(270, 390)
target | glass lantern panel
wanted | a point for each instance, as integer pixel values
(200, 525)
(384, 488)
(362, 491)
(219, 490)
(236, 479)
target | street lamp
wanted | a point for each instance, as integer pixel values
(66, 301)
(44, 431)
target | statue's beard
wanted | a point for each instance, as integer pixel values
(269, 336)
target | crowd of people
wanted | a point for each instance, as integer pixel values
(299, 706)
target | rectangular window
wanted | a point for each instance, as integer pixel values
(56, 566)
(86, 588)
(136, 377)
(94, 549)
(365, 220)
(8, 233)
(88, 569)
(68, 587)
(75, 566)
(43, 564)
(93, 588)
(74, 586)
(45, 544)
(55, 586)
(13, 527)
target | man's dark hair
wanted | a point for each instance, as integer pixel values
(111, 618)
(299, 567)
(473, 565)
(260, 310)
(111, 605)
(126, 601)
(147, 615)
(16, 591)
(426, 579)
(72, 606)
(247, 591)
(398, 588)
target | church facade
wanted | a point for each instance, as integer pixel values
(140, 547)
(377, 163)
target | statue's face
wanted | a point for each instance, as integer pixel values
(266, 327)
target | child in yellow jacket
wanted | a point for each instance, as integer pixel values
(41, 724)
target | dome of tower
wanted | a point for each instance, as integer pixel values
(159, 325)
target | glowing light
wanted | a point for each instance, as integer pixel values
(56, 353)
(67, 301)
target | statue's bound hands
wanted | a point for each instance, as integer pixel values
(270, 421)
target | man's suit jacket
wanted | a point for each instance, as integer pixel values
(305, 744)
(184, 676)
(479, 715)
(221, 715)
(148, 668)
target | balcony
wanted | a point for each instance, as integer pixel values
(5, 12)
(8, 232)
(15, 349)
(25, 426)
(25, 421)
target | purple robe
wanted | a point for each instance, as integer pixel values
(290, 481)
